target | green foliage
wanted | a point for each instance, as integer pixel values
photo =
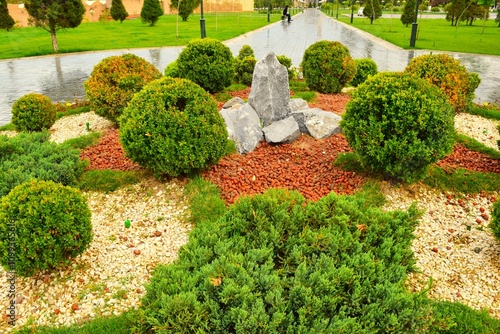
(6, 21)
(118, 11)
(408, 14)
(495, 220)
(172, 70)
(205, 202)
(173, 127)
(490, 112)
(185, 7)
(33, 112)
(372, 10)
(274, 264)
(287, 62)
(448, 74)
(245, 51)
(462, 180)
(207, 62)
(243, 70)
(84, 141)
(435, 9)
(365, 67)
(51, 222)
(32, 155)
(151, 12)
(477, 146)
(399, 124)
(327, 66)
(107, 180)
(55, 15)
(114, 81)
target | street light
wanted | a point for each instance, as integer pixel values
(202, 22)
(352, 11)
(414, 26)
(338, 1)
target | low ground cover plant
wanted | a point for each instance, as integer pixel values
(399, 124)
(52, 226)
(32, 156)
(33, 112)
(173, 127)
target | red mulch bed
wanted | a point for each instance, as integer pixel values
(305, 165)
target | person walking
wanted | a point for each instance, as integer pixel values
(285, 13)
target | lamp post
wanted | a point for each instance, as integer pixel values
(202, 21)
(414, 25)
(338, 1)
(268, 10)
(352, 11)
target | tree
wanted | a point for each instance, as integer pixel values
(497, 19)
(118, 11)
(186, 7)
(408, 12)
(6, 21)
(151, 12)
(486, 4)
(372, 10)
(52, 15)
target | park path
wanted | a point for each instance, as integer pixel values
(61, 77)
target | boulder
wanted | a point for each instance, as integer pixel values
(298, 104)
(235, 102)
(270, 92)
(243, 127)
(317, 123)
(283, 131)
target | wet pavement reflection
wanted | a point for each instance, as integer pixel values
(61, 77)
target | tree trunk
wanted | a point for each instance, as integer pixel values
(54, 40)
(484, 20)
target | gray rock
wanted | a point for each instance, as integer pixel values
(298, 104)
(234, 102)
(243, 127)
(270, 92)
(317, 123)
(283, 131)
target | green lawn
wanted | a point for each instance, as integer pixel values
(93, 36)
(434, 34)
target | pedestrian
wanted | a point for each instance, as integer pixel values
(285, 13)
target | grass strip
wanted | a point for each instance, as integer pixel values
(108, 180)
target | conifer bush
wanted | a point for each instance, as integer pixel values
(287, 62)
(173, 127)
(244, 65)
(32, 156)
(208, 63)
(114, 81)
(327, 66)
(495, 220)
(51, 222)
(118, 11)
(365, 67)
(276, 264)
(33, 112)
(399, 124)
(449, 75)
(6, 21)
(151, 11)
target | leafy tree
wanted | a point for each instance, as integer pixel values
(186, 7)
(485, 4)
(53, 15)
(118, 11)
(151, 12)
(372, 10)
(473, 12)
(6, 21)
(408, 12)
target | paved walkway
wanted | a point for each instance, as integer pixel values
(61, 77)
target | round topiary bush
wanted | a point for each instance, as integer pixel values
(51, 223)
(495, 220)
(449, 75)
(33, 112)
(172, 70)
(365, 67)
(243, 70)
(173, 127)
(114, 81)
(245, 51)
(207, 62)
(399, 124)
(328, 66)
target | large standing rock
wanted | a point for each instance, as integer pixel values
(317, 123)
(284, 131)
(270, 92)
(243, 127)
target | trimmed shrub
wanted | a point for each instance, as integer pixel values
(151, 11)
(207, 62)
(274, 264)
(172, 70)
(327, 66)
(173, 127)
(449, 75)
(287, 62)
(114, 81)
(365, 67)
(399, 124)
(32, 156)
(33, 112)
(495, 220)
(6, 21)
(243, 70)
(51, 222)
(245, 51)
(118, 11)
(435, 9)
